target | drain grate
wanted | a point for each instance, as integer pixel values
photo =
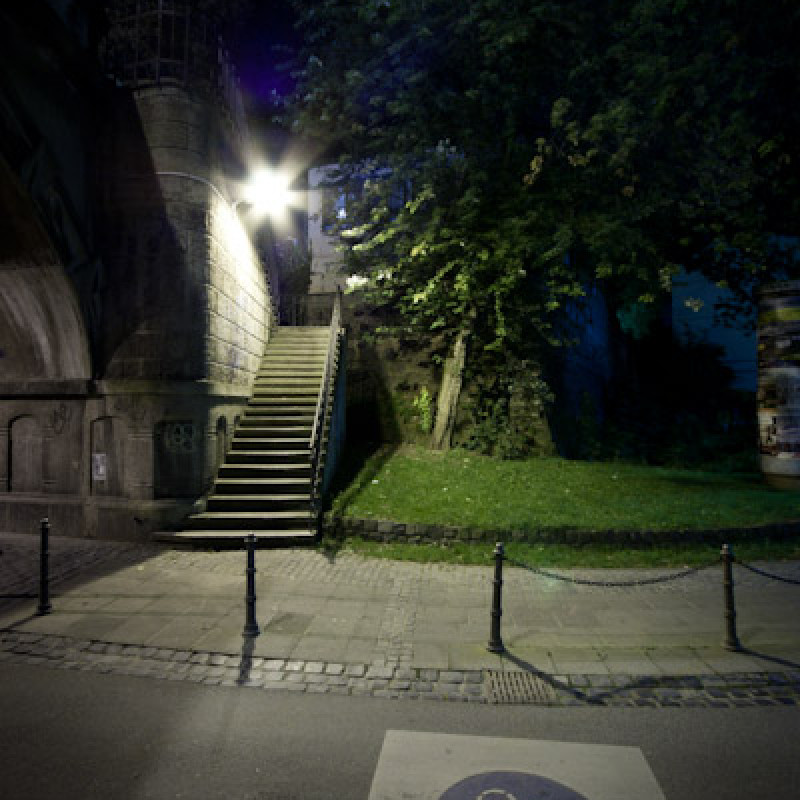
(519, 687)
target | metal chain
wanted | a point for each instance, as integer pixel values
(766, 574)
(612, 584)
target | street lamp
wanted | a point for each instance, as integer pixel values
(267, 192)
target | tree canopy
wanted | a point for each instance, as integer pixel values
(537, 147)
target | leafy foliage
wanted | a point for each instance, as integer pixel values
(423, 406)
(504, 155)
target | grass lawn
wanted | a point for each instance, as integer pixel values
(460, 488)
(415, 485)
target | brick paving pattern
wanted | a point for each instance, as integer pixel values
(732, 690)
(341, 624)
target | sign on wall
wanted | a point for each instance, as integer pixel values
(99, 467)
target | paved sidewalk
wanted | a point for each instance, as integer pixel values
(355, 625)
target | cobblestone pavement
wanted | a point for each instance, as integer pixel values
(342, 624)
(19, 561)
(473, 686)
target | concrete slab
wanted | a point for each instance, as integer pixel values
(126, 605)
(181, 634)
(736, 662)
(137, 629)
(431, 766)
(332, 626)
(221, 640)
(359, 650)
(679, 662)
(429, 654)
(630, 662)
(561, 667)
(274, 645)
(82, 603)
(86, 626)
(322, 648)
(464, 655)
(50, 623)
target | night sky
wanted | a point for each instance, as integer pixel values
(253, 42)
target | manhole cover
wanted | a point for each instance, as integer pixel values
(519, 687)
(509, 786)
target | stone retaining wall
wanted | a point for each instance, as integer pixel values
(338, 527)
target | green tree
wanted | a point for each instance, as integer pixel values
(509, 153)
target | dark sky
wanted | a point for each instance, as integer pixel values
(252, 43)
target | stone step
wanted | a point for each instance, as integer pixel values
(300, 330)
(230, 538)
(249, 520)
(311, 336)
(283, 355)
(293, 368)
(278, 359)
(271, 379)
(257, 454)
(255, 502)
(248, 466)
(287, 390)
(260, 418)
(264, 485)
(269, 431)
(284, 405)
(296, 349)
(244, 442)
(292, 373)
(237, 486)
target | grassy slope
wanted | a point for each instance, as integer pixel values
(465, 489)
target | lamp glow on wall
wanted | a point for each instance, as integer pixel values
(267, 194)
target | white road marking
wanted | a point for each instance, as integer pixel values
(423, 766)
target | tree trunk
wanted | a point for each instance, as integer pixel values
(447, 402)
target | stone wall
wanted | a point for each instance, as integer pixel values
(122, 439)
(340, 528)
(186, 294)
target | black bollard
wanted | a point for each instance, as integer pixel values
(44, 570)
(731, 639)
(250, 625)
(495, 641)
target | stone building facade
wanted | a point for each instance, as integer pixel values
(134, 308)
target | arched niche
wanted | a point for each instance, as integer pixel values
(42, 331)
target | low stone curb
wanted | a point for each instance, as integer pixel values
(336, 526)
(396, 682)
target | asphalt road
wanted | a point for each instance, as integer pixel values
(71, 735)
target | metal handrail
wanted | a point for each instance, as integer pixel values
(321, 414)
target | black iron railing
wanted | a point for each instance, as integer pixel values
(322, 414)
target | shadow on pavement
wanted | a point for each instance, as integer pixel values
(784, 662)
(597, 695)
(246, 662)
(69, 567)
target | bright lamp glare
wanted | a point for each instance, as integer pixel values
(268, 192)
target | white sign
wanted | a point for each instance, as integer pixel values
(99, 466)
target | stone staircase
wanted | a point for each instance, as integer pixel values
(264, 485)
